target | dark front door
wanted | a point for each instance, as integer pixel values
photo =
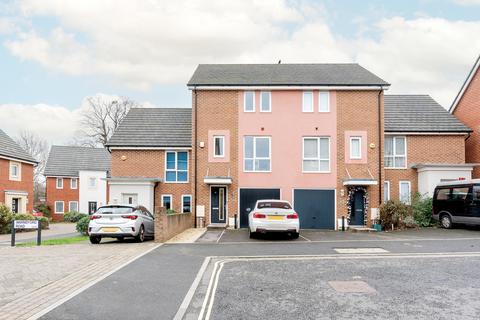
(315, 208)
(248, 199)
(92, 207)
(15, 205)
(358, 209)
(218, 204)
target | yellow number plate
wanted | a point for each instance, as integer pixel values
(109, 229)
(275, 217)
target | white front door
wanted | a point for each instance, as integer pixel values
(130, 198)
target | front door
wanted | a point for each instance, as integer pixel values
(358, 209)
(218, 204)
(92, 207)
(15, 205)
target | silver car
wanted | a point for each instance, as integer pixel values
(121, 221)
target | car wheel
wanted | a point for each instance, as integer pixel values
(295, 235)
(95, 239)
(446, 221)
(141, 235)
(121, 239)
(252, 235)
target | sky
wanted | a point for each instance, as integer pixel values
(55, 53)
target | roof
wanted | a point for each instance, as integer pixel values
(321, 74)
(11, 149)
(67, 161)
(419, 113)
(465, 84)
(154, 127)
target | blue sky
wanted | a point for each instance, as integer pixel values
(57, 52)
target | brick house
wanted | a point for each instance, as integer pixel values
(76, 179)
(151, 159)
(466, 107)
(16, 176)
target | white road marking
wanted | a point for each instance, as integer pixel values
(360, 250)
(305, 238)
(221, 235)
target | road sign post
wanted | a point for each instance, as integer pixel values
(27, 224)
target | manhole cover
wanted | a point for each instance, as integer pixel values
(351, 286)
(360, 250)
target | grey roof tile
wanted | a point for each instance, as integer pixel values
(69, 160)
(419, 113)
(325, 74)
(9, 148)
(154, 127)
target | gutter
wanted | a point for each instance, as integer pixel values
(380, 149)
(195, 160)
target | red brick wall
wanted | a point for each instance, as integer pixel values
(25, 185)
(66, 194)
(468, 111)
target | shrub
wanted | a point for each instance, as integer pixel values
(422, 210)
(44, 222)
(6, 218)
(44, 209)
(171, 211)
(73, 216)
(82, 225)
(395, 213)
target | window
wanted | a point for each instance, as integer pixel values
(73, 206)
(15, 171)
(59, 207)
(323, 101)
(316, 154)
(176, 166)
(59, 183)
(476, 193)
(265, 101)
(186, 203)
(460, 193)
(395, 152)
(92, 182)
(219, 145)
(443, 194)
(256, 154)
(73, 183)
(249, 101)
(386, 191)
(307, 101)
(355, 148)
(405, 192)
(167, 201)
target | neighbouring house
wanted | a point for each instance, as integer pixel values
(151, 159)
(424, 145)
(466, 107)
(76, 179)
(16, 176)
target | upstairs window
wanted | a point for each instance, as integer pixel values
(395, 152)
(176, 166)
(59, 183)
(355, 147)
(307, 101)
(219, 146)
(74, 183)
(265, 101)
(92, 182)
(249, 101)
(324, 101)
(256, 154)
(316, 154)
(15, 171)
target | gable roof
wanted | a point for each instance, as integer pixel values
(465, 85)
(154, 127)
(419, 113)
(10, 149)
(67, 161)
(318, 74)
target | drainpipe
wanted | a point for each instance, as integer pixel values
(380, 186)
(195, 160)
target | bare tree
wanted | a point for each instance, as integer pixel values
(101, 119)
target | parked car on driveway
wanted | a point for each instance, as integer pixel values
(273, 216)
(457, 202)
(121, 221)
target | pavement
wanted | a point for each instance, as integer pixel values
(55, 231)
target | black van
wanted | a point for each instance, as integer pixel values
(457, 202)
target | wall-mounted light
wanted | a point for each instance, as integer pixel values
(372, 145)
(201, 144)
(342, 192)
(123, 158)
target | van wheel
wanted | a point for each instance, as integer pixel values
(251, 234)
(95, 239)
(446, 221)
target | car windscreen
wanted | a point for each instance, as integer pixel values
(114, 210)
(274, 205)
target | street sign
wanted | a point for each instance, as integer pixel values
(26, 224)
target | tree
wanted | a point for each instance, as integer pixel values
(101, 119)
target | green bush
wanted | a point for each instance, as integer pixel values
(396, 213)
(82, 225)
(44, 222)
(171, 211)
(44, 209)
(422, 210)
(73, 216)
(6, 218)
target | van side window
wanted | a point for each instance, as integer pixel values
(476, 192)
(459, 193)
(443, 194)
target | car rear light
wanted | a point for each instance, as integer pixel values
(257, 215)
(131, 217)
(292, 216)
(94, 217)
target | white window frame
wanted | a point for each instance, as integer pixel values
(171, 200)
(61, 184)
(71, 183)
(303, 102)
(18, 176)
(320, 101)
(386, 187)
(222, 155)
(255, 153)
(245, 101)
(269, 101)
(70, 205)
(409, 191)
(63, 207)
(318, 155)
(395, 152)
(176, 169)
(190, 196)
(90, 186)
(359, 148)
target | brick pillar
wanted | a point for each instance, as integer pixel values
(160, 224)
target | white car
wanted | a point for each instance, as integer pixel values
(273, 216)
(121, 221)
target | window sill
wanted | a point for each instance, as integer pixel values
(395, 168)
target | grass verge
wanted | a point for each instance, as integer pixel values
(54, 242)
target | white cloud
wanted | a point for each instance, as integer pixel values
(467, 2)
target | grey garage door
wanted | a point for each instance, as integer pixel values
(248, 198)
(316, 208)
